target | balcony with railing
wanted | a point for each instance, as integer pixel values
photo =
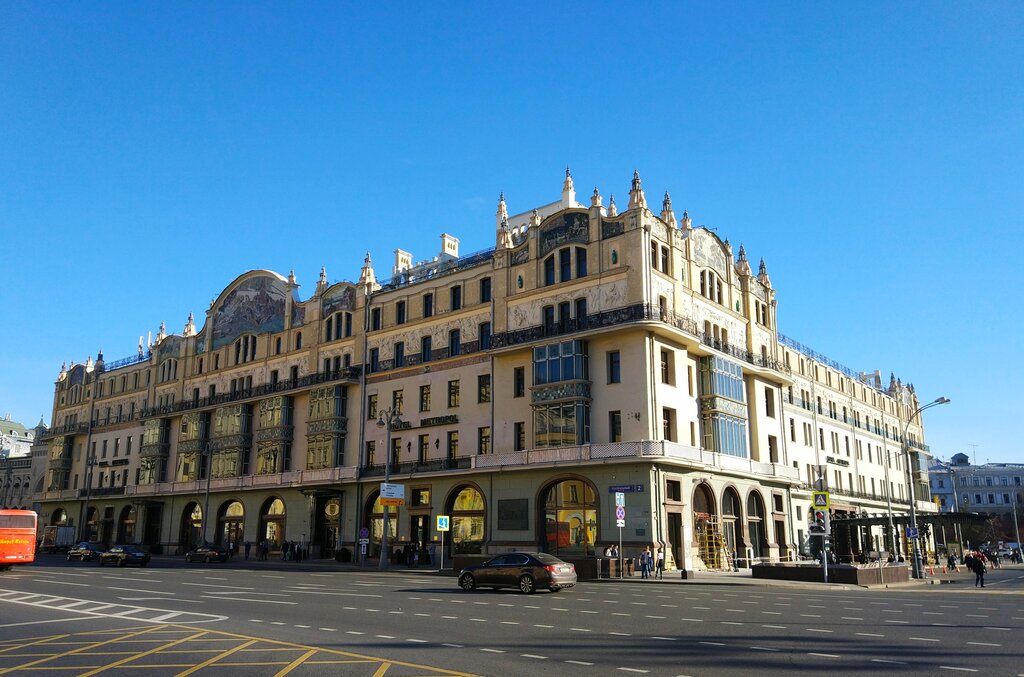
(345, 375)
(627, 315)
(293, 478)
(66, 429)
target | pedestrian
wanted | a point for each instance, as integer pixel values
(248, 547)
(659, 563)
(608, 551)
(979, 571)
(645, 562)
(951, 562)
(231, 549)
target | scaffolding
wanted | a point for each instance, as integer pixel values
(712, 548)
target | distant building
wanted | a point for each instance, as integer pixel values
(588, 353)
(991, 487)
(16, 442)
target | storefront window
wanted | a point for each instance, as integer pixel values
(570, 519)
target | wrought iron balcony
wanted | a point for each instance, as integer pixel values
(66, 429)
(408, 468)
(101, 491)
(347, 374)
(639, 312)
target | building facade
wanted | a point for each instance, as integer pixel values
(959, 486)
(589, 353)
(16, 485)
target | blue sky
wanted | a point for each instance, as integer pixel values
(870, 152)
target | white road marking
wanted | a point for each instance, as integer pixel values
(52, 620)
(328, 629)
(868, 634)
(884, 660)
(621, 634)
(923, 639)
(417, 641)
(530, 655)
(580, 663)
(354, 632)
(493, 650)
(454, 646)
(850, 618)
(818, 630)
(242, 599)
(776, 627)
(762, 648)
(824, 655)
(712, 643)
(950, 667)
(984, 644)
(384, 636)
(633, 670)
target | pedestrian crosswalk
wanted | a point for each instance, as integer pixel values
(97, 608)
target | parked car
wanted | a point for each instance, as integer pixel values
(84, 552)
(123, 555)
(208, 553)
(528, 571)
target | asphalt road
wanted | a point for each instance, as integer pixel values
(376, 621)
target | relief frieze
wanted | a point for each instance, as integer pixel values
(573, 228)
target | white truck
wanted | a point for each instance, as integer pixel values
(58, 538)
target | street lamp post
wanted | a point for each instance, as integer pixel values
(389, 420)
(208, 452)
(90, 463)
(910, 482)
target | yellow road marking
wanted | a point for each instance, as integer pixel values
(187, 634)
(295, 663)
(154, 650)
(214, 659)
(72, 652)
(42, 640)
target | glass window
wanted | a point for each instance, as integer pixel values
(570, 519)
(454, 342)
(425, 398)
(549, 271)
(518, 382)
(581, 262)
(614, 374)
(400, 312)
(456, 298)
(485, 290)
(485, 335)
(426, 349)
(453, 393)
(564, 265)
(428, 305)
(483, 388)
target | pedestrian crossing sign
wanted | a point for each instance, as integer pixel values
(821, 500)
(443, 522)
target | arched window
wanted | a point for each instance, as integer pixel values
(570, 518)
(756, 527)
(468, 520)
(126, 525)
(60, 517)
(730, 518)
(272, 523)
(231, 524)
(191, 534)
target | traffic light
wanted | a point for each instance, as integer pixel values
(819, 525)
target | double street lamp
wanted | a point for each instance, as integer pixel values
(389, 420)
(910, 482)
(86, 530)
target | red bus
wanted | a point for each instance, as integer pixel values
(17, 537)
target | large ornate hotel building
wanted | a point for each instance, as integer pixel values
(589, 352)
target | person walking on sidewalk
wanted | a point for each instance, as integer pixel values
(659, 563)
(645, 562)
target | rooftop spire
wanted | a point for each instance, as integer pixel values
(743, 265)
(367, 279)
(762, 274)
(686, 221)
(321, 284)
(612, 210)
(637, 198)
(190, 326)
(502, 213)
(667, 215)
(568, 190)
(595, 200)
